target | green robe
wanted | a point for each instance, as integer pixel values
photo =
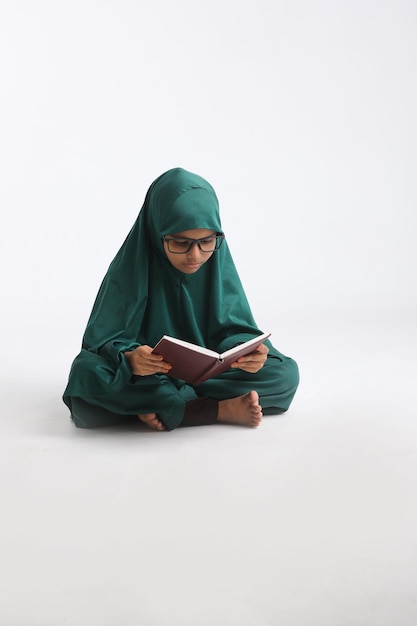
(143, 297)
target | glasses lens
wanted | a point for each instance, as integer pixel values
(178, 245)
(209, 244)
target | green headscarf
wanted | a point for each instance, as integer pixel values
(143, 297)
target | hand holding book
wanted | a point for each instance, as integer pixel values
(144, 362)
(253, 361)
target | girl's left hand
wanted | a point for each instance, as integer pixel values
(254, 361)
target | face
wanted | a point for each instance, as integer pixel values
(191, 261)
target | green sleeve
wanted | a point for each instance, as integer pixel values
(114, 351)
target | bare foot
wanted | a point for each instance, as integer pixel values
(244, 410)
(151, 420)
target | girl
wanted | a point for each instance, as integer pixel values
(174, 275)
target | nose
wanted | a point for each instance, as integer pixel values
(194, 252)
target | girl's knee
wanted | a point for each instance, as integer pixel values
(293, 373)
(285, 370)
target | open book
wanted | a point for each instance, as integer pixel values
(195, 364)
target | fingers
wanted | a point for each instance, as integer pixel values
(144, 363)
(254, 361)
(150, 366)
(144, 368)
(252, 367)
(145, 355)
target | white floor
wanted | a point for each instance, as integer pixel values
(309, 520)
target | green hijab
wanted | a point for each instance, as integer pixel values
(143, 297)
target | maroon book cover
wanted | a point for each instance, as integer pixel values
(195, 364)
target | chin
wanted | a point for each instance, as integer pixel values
(190, 270)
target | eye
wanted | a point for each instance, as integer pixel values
(180, 242)
(207, 241)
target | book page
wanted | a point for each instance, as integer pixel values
(245, 347)
(189, 345)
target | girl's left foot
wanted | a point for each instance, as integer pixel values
(151, 420)
(244, 410)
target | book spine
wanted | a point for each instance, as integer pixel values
(212, 370)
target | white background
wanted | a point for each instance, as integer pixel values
(302, 116)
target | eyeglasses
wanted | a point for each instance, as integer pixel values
(182, 245)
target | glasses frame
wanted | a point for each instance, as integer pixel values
(219, 240)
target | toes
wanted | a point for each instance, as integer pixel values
(156, 423)
(146, 417)
(257, 421)
(152, 421)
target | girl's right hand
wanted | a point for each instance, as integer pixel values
(144, 363)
